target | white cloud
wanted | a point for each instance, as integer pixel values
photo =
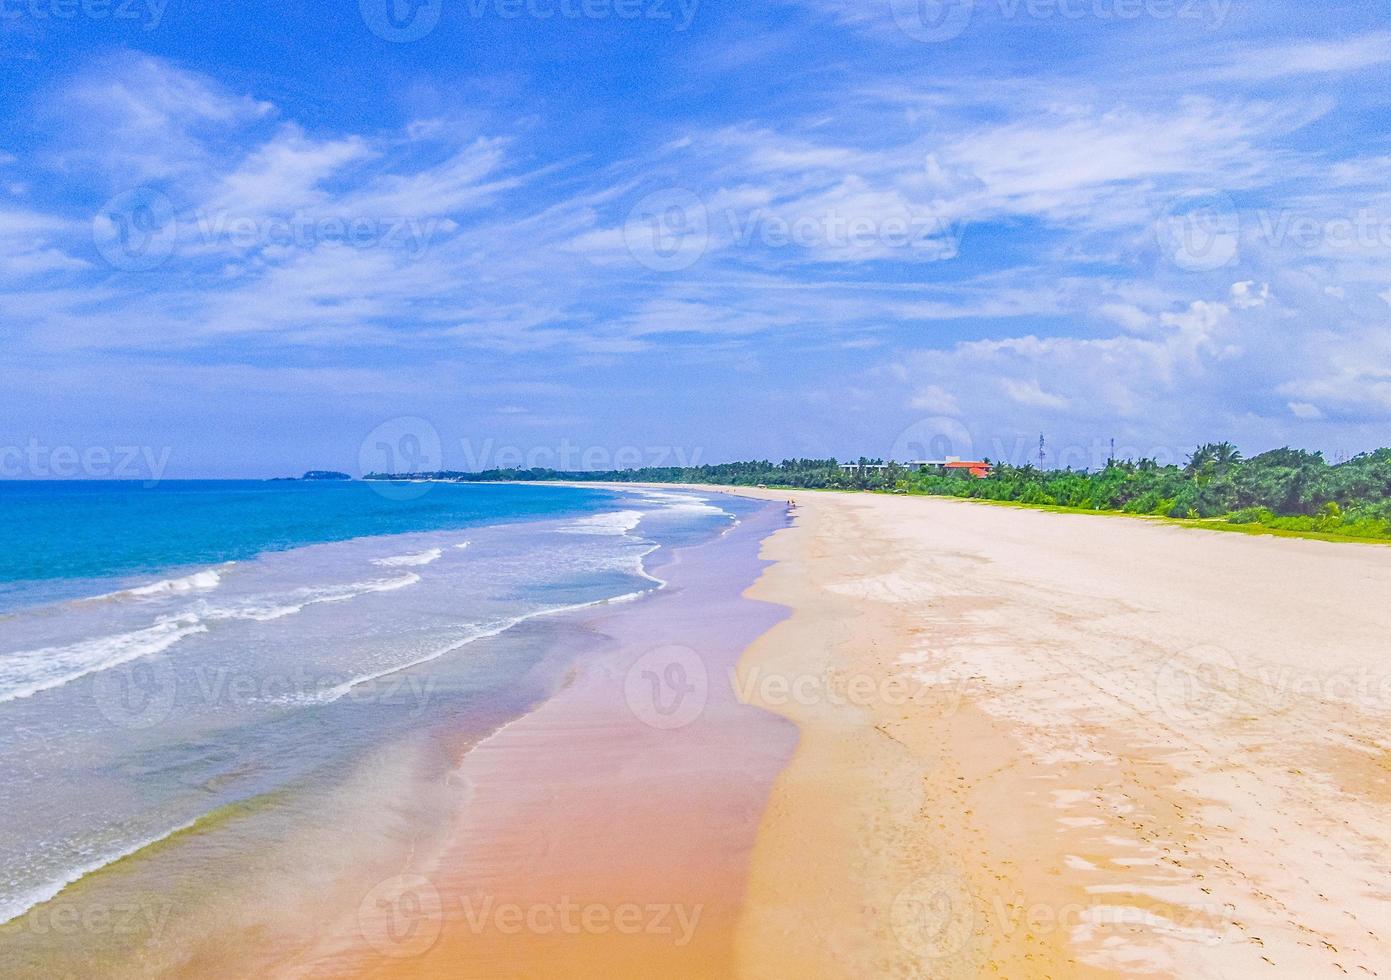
(1031, 393)
(1310, 58)
(1248, 295)
(137, 118)
(1127, 315)
(1050, 304)
(936, 400)
(286, 173)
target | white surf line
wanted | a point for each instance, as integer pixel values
(342, 690)
(50, 891)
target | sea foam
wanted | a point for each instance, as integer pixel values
(27, 672)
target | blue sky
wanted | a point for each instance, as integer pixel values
(250, 239)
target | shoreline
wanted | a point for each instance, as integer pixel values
(926, 741)
(400, 785)
(606, 832)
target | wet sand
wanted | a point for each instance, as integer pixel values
(608, 832)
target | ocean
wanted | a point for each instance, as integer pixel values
(172, 654)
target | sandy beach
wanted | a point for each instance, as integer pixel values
(876, 737)
(1061, 745)
(1027, 745)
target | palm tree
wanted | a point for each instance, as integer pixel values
(1225, 456)
(1201, 461)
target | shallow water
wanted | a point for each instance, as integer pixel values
(147, 709)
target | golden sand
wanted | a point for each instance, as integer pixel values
(1125, 749)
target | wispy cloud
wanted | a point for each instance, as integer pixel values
(948, 234)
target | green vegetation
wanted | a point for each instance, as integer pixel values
(1285, 490)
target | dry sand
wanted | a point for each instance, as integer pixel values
(1070, 746)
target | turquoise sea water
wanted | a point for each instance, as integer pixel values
(169, 651)
(62, 539)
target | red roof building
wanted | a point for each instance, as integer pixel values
(977, 468)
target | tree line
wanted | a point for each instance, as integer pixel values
(1287, 489)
